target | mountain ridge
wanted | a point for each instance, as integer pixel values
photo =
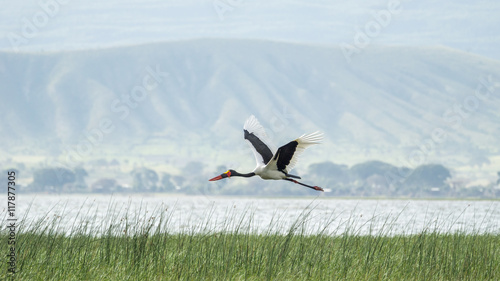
(384, 101)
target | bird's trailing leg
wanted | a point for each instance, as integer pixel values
(313, 187)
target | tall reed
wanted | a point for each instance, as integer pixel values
(137, 244)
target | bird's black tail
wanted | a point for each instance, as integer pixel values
(292, 176)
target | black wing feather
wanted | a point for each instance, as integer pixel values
(259, 146)
(285, 154)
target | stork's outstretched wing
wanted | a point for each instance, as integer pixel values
(287, 156)
(259, 142)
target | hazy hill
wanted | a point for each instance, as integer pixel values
(384, 102)
(471, 26)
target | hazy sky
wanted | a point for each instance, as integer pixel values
(472, 26)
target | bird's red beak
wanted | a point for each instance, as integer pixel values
(216, 178)
(222, 176)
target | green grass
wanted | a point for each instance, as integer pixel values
(143, 248)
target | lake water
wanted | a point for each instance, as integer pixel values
(131, 212)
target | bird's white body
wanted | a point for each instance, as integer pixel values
(268, 174)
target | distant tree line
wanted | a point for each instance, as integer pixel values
(369, 179)
(376, 178)
(58, 179)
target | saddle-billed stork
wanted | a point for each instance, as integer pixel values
(273, 165)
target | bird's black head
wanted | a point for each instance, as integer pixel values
(227, 174)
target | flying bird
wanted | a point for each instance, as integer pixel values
(273, 165)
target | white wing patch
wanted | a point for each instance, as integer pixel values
(304, 142)
(253, 126)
